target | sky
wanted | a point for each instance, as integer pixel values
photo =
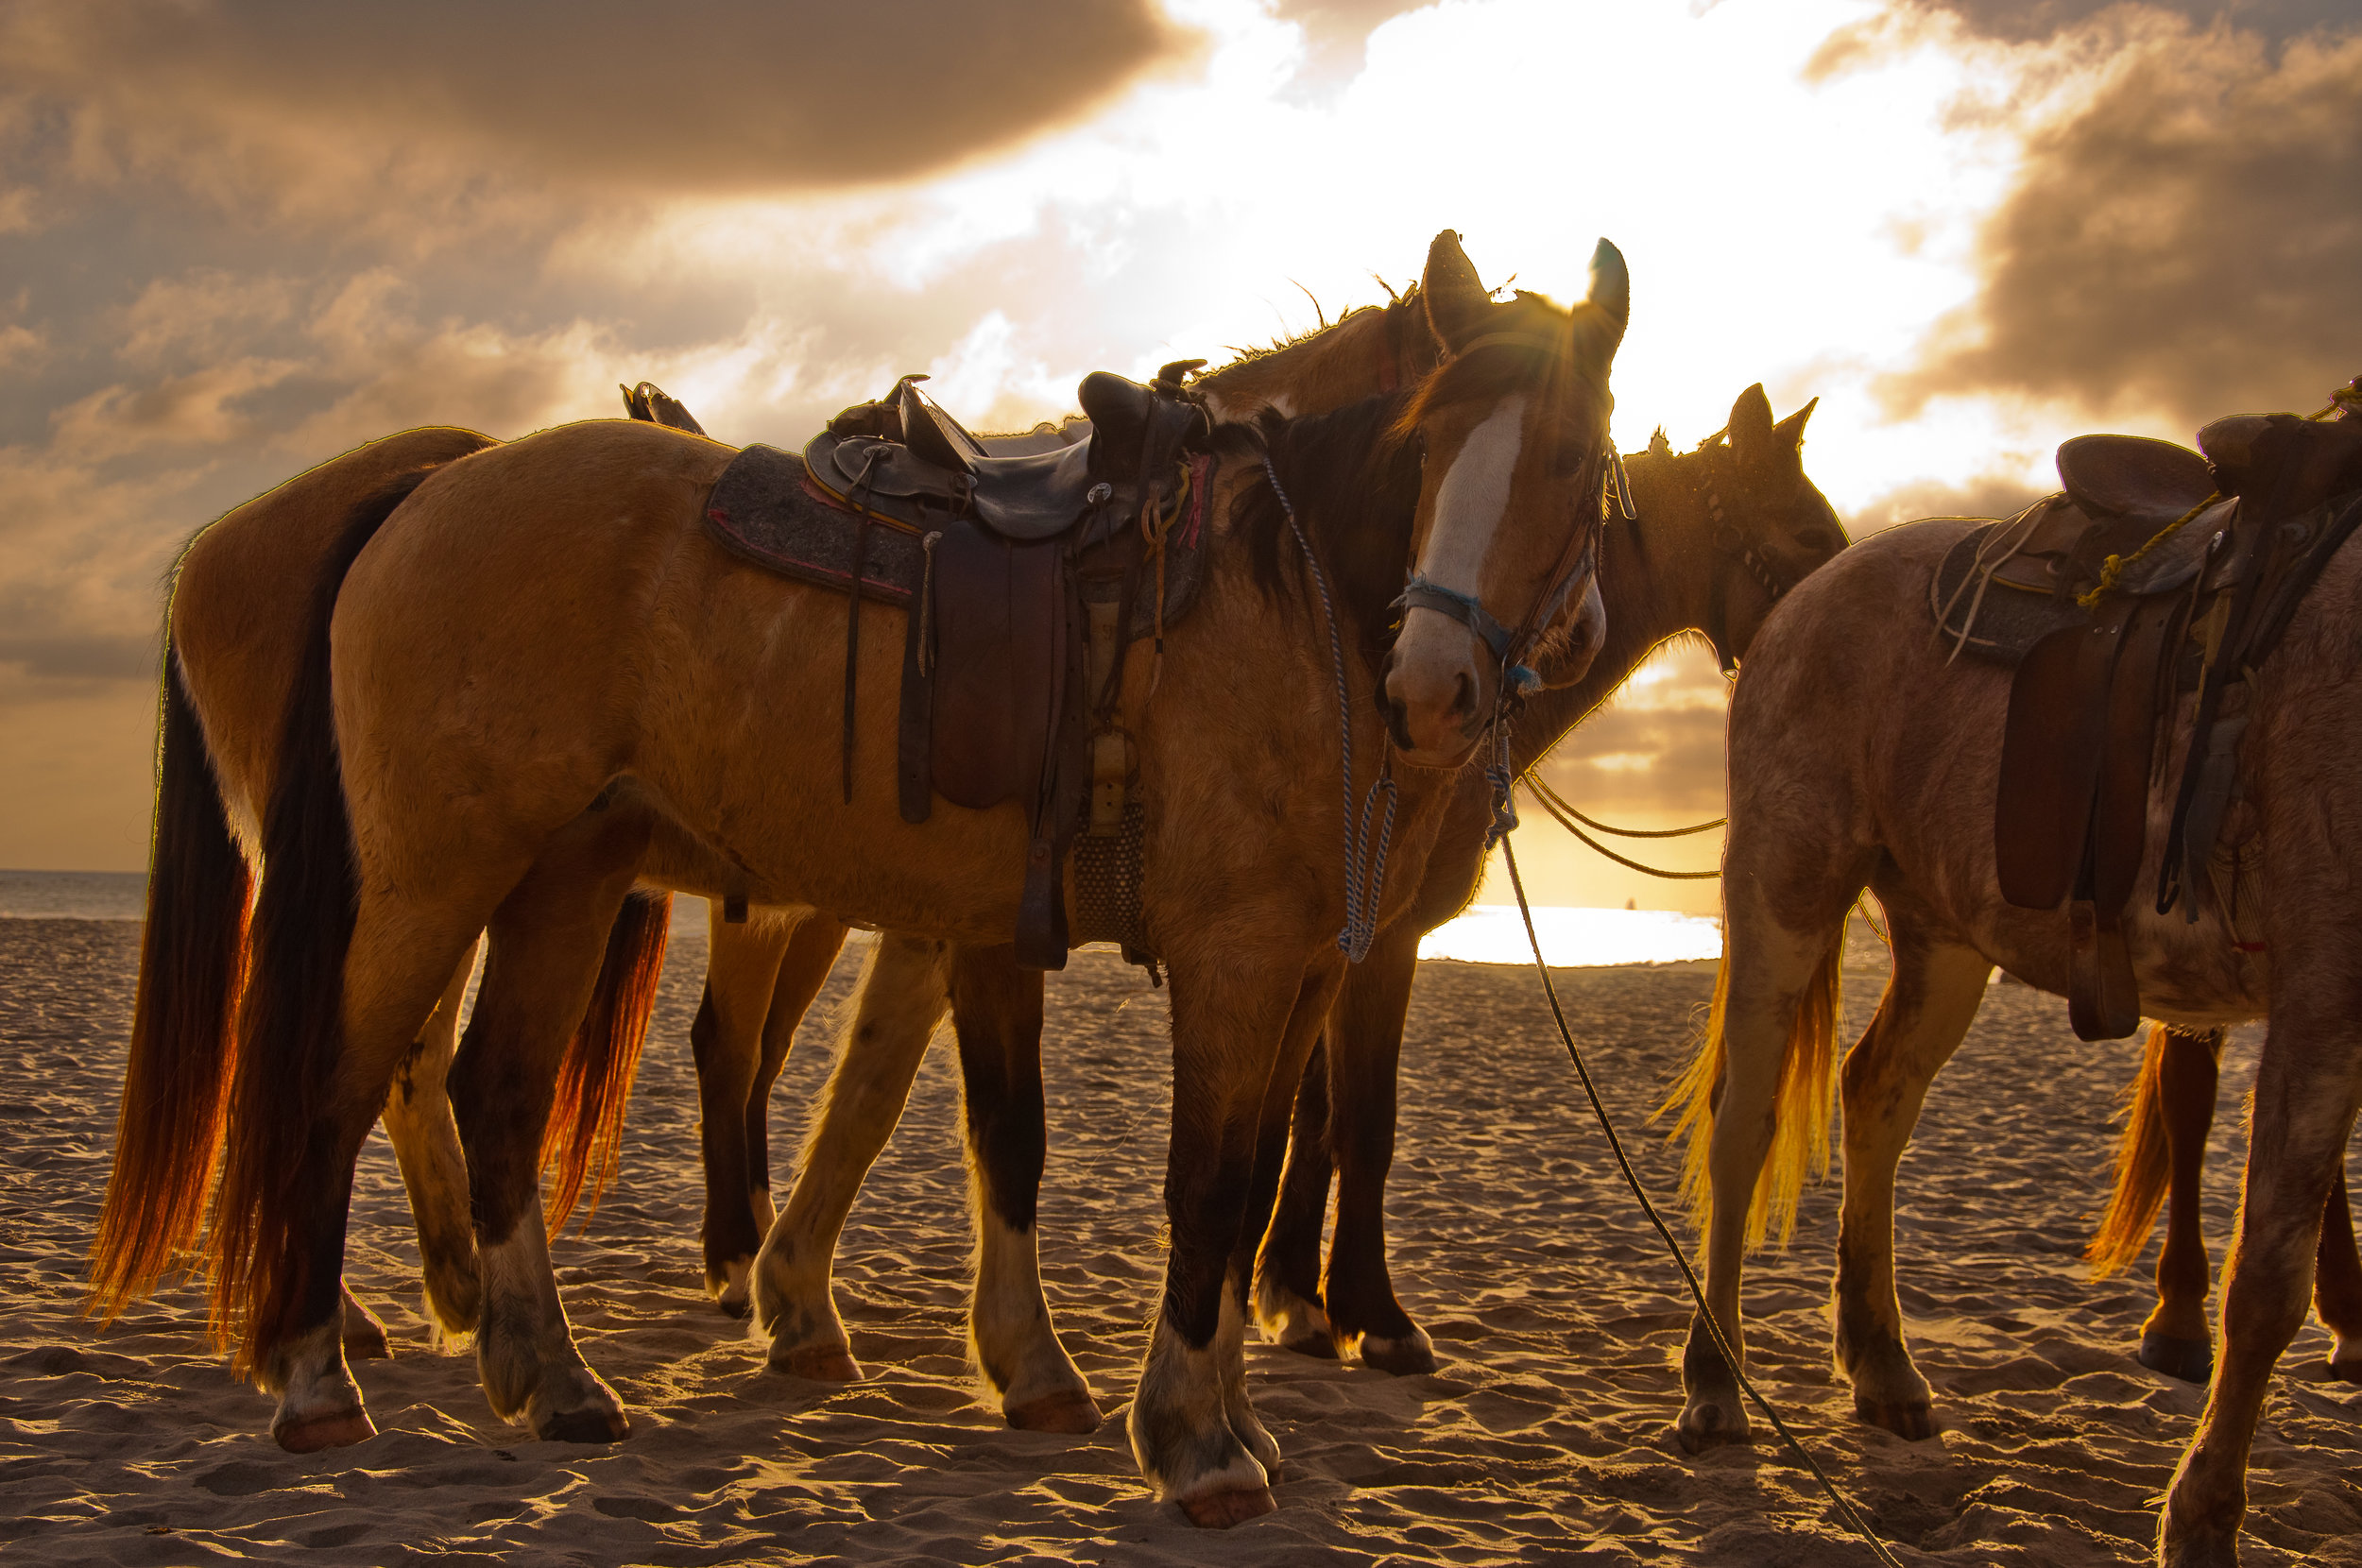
(236, 240)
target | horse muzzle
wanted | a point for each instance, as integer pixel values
(1435, 692)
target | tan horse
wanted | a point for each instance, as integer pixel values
(1862, 757)
(545, 673)
(236, 629)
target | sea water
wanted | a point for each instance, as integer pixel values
(1487, 934)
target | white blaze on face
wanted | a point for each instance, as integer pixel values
(1469, 505)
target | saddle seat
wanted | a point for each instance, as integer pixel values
(905, 459)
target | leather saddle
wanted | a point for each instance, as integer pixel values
(1027, 566)
(2156, 572)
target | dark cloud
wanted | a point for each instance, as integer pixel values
(702, 95)
(2026, 21)
(84, 657)
(2183, 246)
(1634, 759)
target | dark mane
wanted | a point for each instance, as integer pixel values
(1407, 299)
(1494, 370)
(1355, 488)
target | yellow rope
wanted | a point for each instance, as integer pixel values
(2114, 567)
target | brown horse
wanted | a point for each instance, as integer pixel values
(1688, 562)
(1721, 534)
(2158, 1161)
(544, 675)
(1849, 771)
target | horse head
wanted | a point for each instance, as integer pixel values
(1512, 424)
(1769, 524)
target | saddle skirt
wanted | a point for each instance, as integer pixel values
(2110, 602)
(1014, 630)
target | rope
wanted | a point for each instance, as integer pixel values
(1361, 896)
(1548, 804)
(2114, 566)
(1533, 781)
(1847, 1511)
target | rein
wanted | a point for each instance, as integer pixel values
(1847, 1511)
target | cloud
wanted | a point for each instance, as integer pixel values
(2182, 241)
(701, 96)
(2027, 21)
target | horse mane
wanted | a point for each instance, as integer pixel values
(1354, 486)
(1408, 298)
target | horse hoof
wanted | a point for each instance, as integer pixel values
(732, 1308)
(821, 1363)
(1317, 1345)
(1076, 1414)
(1405, 1355)
(1701, 1428)
(1912, 1419)
(586, 1426)
(1218, 1510)
(2191, 1360)
(314, 1433)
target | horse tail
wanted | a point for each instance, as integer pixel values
(192, 963)
(2144, 1168)
(1800, 1101)
(291, 1028)
(584, 1137)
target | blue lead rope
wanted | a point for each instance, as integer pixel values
(1361, 892)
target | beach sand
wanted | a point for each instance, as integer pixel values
(1546, 1438)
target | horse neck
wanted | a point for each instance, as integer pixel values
(1329, 368)
(1650, 592)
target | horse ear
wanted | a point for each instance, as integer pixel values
(1751, 424)
(1455, 296)
(1598, 323)
(1791, 429)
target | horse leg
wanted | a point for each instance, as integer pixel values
(995, 1013)
(2175, 1339)
(2338, 1284)
(397, 965)
(547, 942)
(1230, 1009)
(1930, 1000)
(1773, 993)
(2306, 1088)
(1365, 1051)
(902, 996)
(726, 1042)
(1288, 1269)
(418, 1124)
(811, 954)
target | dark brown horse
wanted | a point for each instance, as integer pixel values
(1721, 534)
(506, 745)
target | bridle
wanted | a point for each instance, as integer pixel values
(1578, 558)
(1729, 542)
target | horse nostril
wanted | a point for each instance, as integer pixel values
(1398, 721)
(1462, 696)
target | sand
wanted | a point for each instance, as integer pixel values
(1544, 1439)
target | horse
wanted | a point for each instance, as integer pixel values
(1718, 538)
(1686, 561)
(1882, 773)
(2171, 1107)
(235, 630)
(479, 740)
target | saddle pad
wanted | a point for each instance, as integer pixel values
(2003, 621)
(766, 510)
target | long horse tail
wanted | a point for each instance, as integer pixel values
(291, 1028)
(192, 963)
(2144, 1168)
(1801, 1103)
(583, 1136)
